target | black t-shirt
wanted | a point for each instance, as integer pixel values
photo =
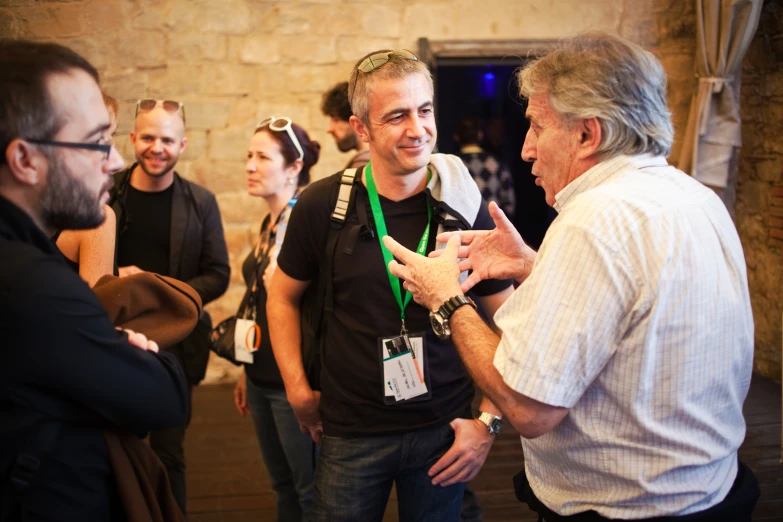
(264, 370)
(144, 240)
(352, 402)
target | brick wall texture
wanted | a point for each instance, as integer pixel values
(759, 207)
(234, 62)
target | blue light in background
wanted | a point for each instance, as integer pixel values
(487, 83)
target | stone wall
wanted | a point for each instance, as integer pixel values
(234, 62)
(759, 208)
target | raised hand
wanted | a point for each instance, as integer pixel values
(492, 254)
(431, 282)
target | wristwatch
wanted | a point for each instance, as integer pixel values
(439, 319)
(493, 422)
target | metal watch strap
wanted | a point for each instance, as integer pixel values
(493, 423)
(450, 306)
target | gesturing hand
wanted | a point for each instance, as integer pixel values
(431, 282)
(491, 254)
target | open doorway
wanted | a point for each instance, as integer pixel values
(471, 82)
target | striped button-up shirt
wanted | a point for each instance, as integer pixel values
(636, 316)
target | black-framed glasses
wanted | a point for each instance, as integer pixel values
(101, 147)
(376, 60)
(283, 124)
(170, 106)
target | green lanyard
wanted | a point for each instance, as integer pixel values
(380, 224)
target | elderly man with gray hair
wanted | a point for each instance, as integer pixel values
(627, 349)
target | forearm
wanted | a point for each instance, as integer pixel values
(211, 283)
(476, 344)
(284, 319)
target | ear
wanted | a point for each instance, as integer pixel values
(294, 168)
(183, 144)
(133, 137)
(590, 136)
(26, 164)
(360, 129)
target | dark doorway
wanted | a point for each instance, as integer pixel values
(485, 89)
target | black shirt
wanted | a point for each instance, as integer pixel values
(264, 370)
(352, 401)
(64, 363)
(145, 238)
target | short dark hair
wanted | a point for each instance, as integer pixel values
(26, 109)
(467, 131)
(335, 102)
(310, 148)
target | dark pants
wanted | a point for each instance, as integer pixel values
(353, 478)
(287, 452)
(471, 509)
(169, 445)
(736, 507)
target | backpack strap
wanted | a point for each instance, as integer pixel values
(345, 195)
(320, 296)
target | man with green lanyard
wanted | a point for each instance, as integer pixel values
(394, 405)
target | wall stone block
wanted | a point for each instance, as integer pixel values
(306, 48)
(229, 144)
(204, 114)
(8, 26)
(140, 49)
(105, 16)
(127, 87)
(50, 22)
(171, 15)
(175, 81)
(261, 49)
(237, 207)
(225, 17)
(229, 79)
(220, 175)
(194, 47)
(351, 48)
(197, 145)
(381, 21)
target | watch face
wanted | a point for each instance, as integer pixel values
(439, 325)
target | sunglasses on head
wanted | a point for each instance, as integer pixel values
(376, 60)
(282, 124)
(168, 105)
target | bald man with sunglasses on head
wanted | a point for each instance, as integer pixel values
(170, 226)
(395, 402)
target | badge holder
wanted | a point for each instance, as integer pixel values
(405, 369)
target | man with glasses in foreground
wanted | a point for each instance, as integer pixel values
(66, 374)
(395, 401)
(170, 226)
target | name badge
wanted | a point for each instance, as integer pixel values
(247, 338)
(402, 367)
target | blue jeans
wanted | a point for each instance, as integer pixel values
(354, 477)
(288, 454)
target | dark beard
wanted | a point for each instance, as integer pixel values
(66, 204)
(349, 142)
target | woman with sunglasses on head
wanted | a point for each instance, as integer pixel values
(91, 252)
(279, 159)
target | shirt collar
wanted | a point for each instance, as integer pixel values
(599, 173)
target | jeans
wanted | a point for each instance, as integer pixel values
(287, 452)
(168, 444)
(354, 477)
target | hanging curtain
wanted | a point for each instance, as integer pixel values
(725, 30)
